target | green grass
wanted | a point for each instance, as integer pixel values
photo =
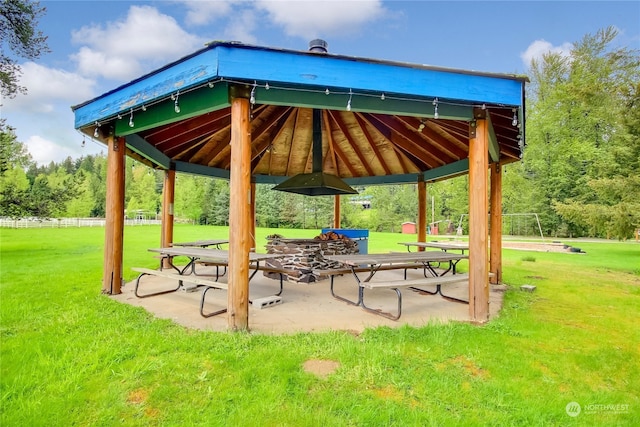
(71, 356)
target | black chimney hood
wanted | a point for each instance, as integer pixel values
(316, 183)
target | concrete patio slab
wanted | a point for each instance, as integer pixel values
(307, 307)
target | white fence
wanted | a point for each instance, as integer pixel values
(67, 222)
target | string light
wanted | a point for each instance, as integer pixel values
(421, 127)
(176, 106)
(131, 124)
(381, 96)
(252, 98)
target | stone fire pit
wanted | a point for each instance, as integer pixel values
(302, 256)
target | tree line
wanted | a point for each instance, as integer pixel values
(579, 169)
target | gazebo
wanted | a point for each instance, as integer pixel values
(314, 123)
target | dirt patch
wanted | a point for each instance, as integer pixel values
(138, 396)
(538, 247)
(320, 368)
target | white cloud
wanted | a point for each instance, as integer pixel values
(47, 86)
(313, 18)
(204, 12)
(242, 29)
(540, 47)
(125, 49)
(44, 151)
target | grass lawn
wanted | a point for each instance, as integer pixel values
(71, 356)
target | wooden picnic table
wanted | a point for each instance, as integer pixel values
(214, 256)
(444, 246)
(217, 257)
(374, 262)
(202, 243)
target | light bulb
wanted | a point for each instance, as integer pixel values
(131, 124)
(176, 106)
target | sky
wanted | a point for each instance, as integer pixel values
(97, 46)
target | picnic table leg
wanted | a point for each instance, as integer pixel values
(373, 271)
(213, 313)
(382, 313)
(155, 293)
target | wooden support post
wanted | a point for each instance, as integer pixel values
(422, 211)
(478, 228)
(114, 218)
(239, 213)
(168, 199)
(336, 211)
(252, 217)
(495, 259)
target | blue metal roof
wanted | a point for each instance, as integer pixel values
(299, 70)
(389, 122)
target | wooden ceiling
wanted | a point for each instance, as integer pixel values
(355, 144)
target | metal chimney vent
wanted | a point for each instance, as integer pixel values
(318, 45)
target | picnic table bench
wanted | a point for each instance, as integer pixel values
(444, 246)
(181, 279)
(373, 263)
(211, 256)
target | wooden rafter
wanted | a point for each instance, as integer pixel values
(337, 118)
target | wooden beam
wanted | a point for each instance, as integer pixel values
(148, 151)
(478, 228)
(492, 141)
(372, 144)
(191, 104)
(239, 213)
(422, 211)
(337, 118)
(114, 217)
(336, 211)
(495, 219)
(494, 147)
(168, 198)
(252, 216)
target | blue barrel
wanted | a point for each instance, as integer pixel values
(361, 236)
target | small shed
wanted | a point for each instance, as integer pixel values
(408, 228)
